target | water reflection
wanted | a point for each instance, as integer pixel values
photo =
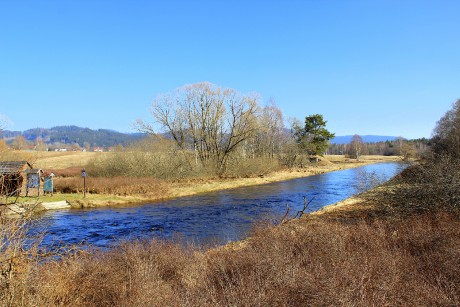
(221, 216)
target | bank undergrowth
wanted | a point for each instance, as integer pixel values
(412, 261)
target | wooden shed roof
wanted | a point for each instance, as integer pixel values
(11, 167)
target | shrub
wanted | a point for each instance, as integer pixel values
(413, 261)
(251, 167)
(115, 185)
(429, 186)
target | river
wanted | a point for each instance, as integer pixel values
(217, 217)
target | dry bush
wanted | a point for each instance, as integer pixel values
(20, 254)
(174, 165)
(115, 185)
(161, 165)
(430, 186)
(66, 172)
(301, 160)
(368, 180)
(239, 167)
(327, 263)
(414, 261)
(134, 274)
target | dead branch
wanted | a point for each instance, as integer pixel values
(299, 213)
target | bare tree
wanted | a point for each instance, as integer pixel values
(271, 127)
(19, 143)
(407, 151)
(356, 146)
(211, 120)
(446, 135)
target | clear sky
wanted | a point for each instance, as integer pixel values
(370, 67)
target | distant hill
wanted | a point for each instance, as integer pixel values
(345, 139)
(73, 134)
(107, 138)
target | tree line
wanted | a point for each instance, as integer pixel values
(400, 147)
(220, 125)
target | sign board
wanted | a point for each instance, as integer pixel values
(33, 181)
(48, 184)
(83, 173)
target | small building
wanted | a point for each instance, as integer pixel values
(19, 178)
(12, 177)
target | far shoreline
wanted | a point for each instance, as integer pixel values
(183, 189)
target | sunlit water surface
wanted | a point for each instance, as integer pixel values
(217, 217)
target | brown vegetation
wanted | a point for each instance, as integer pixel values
(149, 187)
(431, 186)
(387, 255)
(412, 261)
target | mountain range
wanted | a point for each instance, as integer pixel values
(346, 139)
(73, 134)
(108, 138)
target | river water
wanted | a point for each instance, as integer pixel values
(217, 217)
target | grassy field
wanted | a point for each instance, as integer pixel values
(62, 160)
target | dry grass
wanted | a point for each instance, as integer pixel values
(149, 187)
(63, 160)
(364, 158)
(15, 155)
(50, 159)
(66, 172)
(309, 262)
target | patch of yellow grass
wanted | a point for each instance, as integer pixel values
(349, 204)
(62, 160)
(364, 158)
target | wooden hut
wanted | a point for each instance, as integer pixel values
(12, 177)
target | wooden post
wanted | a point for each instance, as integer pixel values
(83, 174)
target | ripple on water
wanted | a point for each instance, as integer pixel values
(217, 217)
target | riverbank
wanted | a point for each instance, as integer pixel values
(199, 186)
(170, 190)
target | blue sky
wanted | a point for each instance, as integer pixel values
(370, 67)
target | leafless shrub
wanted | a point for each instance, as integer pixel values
(66, 172)
(174, 164)
(115, 185)
(368, 180)
(21, 253)
(446, 137)
(251, 167)
(413, 261)
(430, 186)
(162, 165)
